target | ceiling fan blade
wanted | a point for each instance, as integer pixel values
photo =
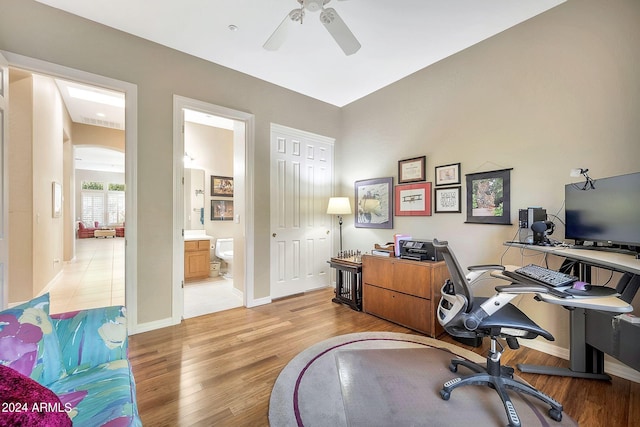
(339, 31)
(280, 34)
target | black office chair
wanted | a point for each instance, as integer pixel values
(465, 316)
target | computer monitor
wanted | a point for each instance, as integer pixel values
(607, 214)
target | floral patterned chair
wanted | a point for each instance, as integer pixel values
(73, 366)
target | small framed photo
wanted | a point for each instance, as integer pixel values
(221, 186)
(447, 200)
(221, 210)
(374, 199)
(412, 170)
(413, 199)
(448, 174)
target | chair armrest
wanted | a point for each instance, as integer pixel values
(531, 289)
(91, 337)
(486, 267)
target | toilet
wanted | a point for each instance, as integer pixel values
(224, 251)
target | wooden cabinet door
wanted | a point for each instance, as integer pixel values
(412, 312)
(412, 279)
(377, 271)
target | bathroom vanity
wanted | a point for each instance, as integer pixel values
(197, 254)
(196, 259)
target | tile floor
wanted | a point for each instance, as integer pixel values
(95, 278)
(209, 296)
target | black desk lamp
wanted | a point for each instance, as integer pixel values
(339, 206)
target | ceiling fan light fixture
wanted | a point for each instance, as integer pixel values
(327, 16)
(313, 5)
(296, 15)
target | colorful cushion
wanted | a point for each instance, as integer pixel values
(89, 338)
(28, 403)
(28, 342)
(100, 396)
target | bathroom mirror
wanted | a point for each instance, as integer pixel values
(193, 199)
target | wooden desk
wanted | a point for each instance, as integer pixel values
(590, 317)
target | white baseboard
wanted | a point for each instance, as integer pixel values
(259, 301)
(151, 326)
(611, 366)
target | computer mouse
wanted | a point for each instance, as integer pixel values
(581, 286)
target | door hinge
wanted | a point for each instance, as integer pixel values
(182, 284)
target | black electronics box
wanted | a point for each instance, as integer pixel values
(526, 217)
(419, 250)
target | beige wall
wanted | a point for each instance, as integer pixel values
(557, 92)
(159, 73)
(98, 136)
(37, 133)
(20, 188)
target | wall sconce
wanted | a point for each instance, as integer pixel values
(339, 206)
(589, 183)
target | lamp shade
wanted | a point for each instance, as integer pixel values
(339, 206)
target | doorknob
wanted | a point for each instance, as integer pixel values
(274, 235)
(327, 231)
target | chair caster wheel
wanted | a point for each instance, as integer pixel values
(444, 394)
(453, 368)
(554, 414)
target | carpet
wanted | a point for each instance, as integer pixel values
(388, 379)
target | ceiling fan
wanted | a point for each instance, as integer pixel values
(329, 18)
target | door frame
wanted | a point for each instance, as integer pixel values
(131, 160)
(4, 197)
(180, 103)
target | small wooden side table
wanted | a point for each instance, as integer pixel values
(348, 282)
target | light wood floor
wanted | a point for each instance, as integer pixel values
(218, 370)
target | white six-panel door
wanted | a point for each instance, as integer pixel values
(301, 183)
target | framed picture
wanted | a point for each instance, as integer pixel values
(413, 199)
(56, 197)
(412, 170)
(221, 186)
(374, 199)
(447, 200)
(448, 174)
(221, 210)
(489, 197)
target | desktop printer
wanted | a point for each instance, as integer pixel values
(419, 250)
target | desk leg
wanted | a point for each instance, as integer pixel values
(584, 360)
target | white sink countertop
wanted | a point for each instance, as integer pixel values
(190, 235)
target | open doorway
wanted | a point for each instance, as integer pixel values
(70, 135)
(50, 72)
(209, 195)
(210, 146)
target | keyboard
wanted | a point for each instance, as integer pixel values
(545, 276)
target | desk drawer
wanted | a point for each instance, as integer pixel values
(406, 310)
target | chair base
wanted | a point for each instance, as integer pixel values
(500, 378)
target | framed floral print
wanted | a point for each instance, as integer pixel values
(489, 197)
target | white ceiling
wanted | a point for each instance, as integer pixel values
(398, 37)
